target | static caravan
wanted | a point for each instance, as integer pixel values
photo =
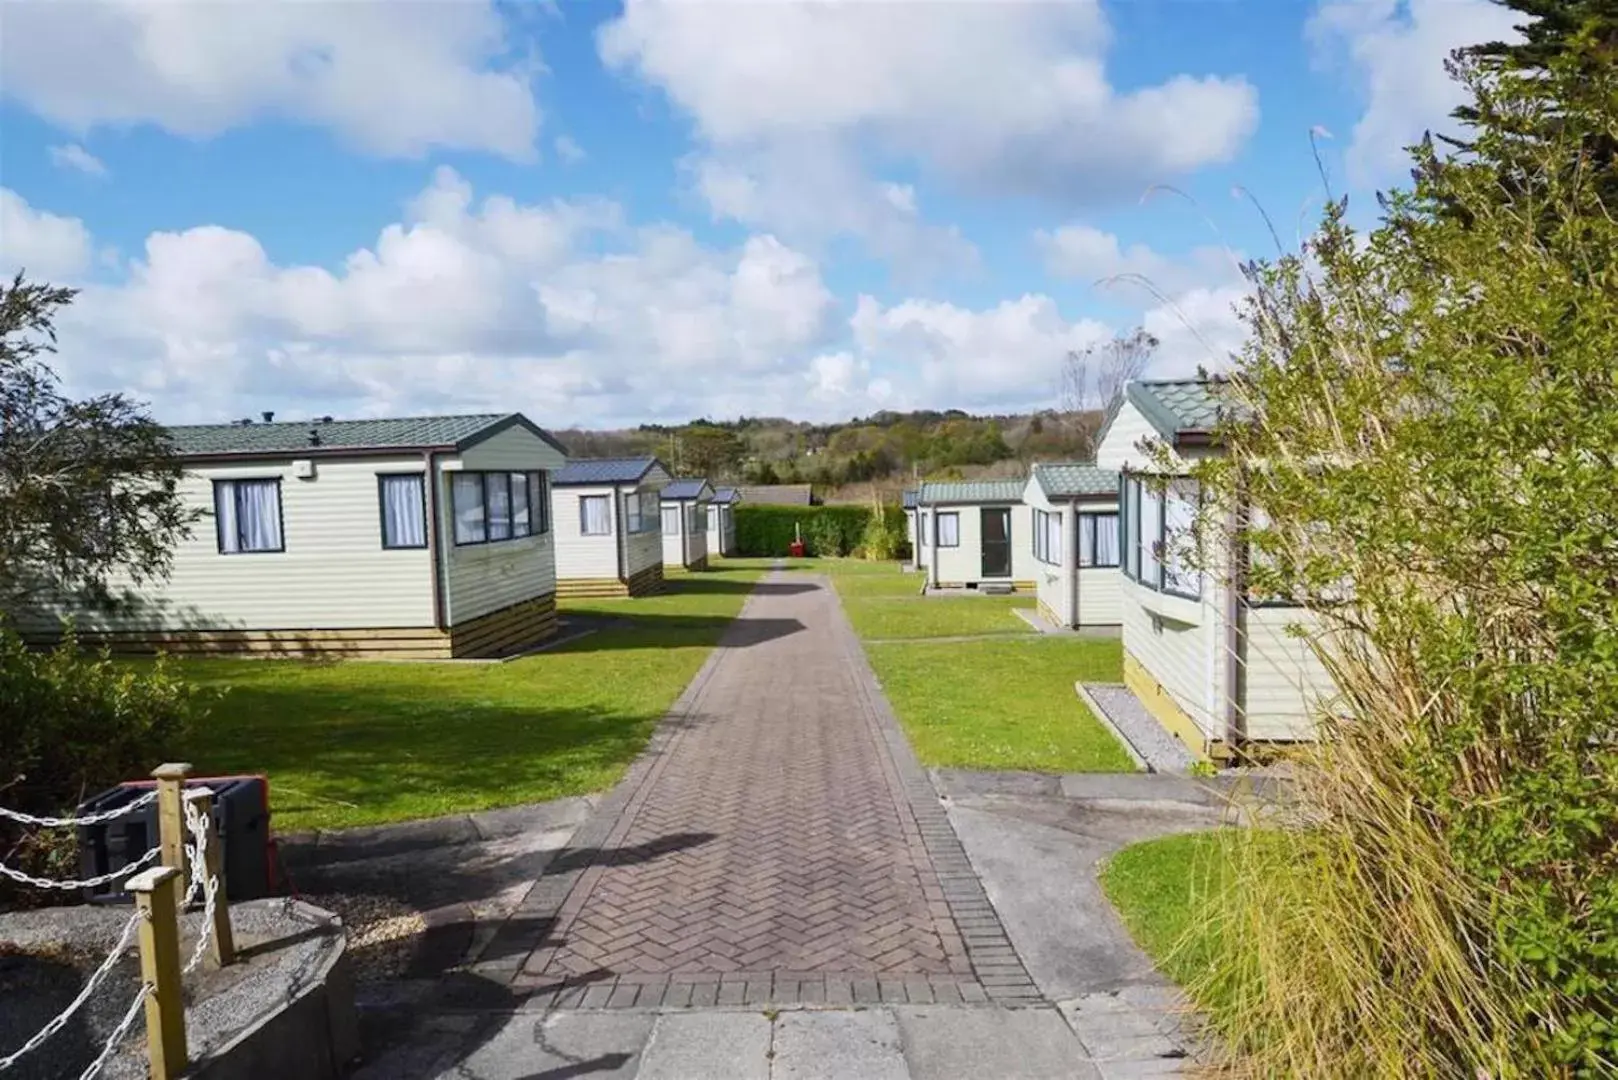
(1214, 666)
(908, 501)
(607, 512)
(685, 523)
(722, 521)
(976, 535)
(418, 538)
(1075, 540)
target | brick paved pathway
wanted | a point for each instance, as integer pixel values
(777, 842)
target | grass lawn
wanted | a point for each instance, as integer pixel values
(1002, 704)
(1160, 888)
(354, 743)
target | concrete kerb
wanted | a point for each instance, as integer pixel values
(401, 837)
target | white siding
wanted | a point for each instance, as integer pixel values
(644, 548)
(1174, 640)
(581, 557)
(1120, 450)
(1053, 581)
(963, 564)
(1101, 594)
(334, 573)
(1286, 682)
(721, 529)
(695, 548)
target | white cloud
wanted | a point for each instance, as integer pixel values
(1396, 52)
(1197, 329)
(800, 104)
(46, 245)
(1083, 251)
(568, 150)
(74, 156)
(390, 79)
(1004, 357)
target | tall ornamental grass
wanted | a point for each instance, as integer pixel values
(1428, 417)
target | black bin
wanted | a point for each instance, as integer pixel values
(241, 807)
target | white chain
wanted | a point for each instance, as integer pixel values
(96, 978)
(200, 880)
(89, 819)
(87, 883)
(118, 1033)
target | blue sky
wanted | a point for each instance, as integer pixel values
(609, 214)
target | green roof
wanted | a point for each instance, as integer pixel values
(972, 491)
(1177, 407)
(316, 436)
(1075, 479)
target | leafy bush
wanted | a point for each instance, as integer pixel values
(1427, 415)
(825, 536)
(767, 531)
(74, 723)
(884, 535)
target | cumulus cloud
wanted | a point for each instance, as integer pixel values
(1085, 252)
(569, 150)
(1396, 51)
(75, 157)
(44, 244)
(791, 100)
(389, 79)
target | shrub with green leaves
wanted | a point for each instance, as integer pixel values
(72, 724)
(1429, 414)
(768, 531)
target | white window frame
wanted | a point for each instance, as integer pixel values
(953, 519)
(584, 517)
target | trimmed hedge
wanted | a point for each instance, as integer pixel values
(827, 530)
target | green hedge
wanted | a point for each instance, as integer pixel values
(827, 530)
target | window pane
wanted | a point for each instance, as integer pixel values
(671, 521)
(404, 517)
(1131, 529)
(949, 530)
(595, 515)
(466, 493)
(224, 508)
(521, 521)
(1180, 512)
(1053, 540)
(498, 493)
(1151, 529)
(1104, 529)
(539, 503)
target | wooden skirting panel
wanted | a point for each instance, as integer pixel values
(1016, 586)
(392, 643)
(647, 581)
(573, 588)
(509, 630)
(1161, 704)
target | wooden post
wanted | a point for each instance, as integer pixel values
(156, 897)
(171, 812)
(223, 944)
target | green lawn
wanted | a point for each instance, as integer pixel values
(889, 619)
(1002, 704)
(352, 743)
(1160, 888)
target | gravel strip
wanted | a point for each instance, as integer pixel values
(1152, 741)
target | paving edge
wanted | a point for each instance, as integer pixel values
(995, 962)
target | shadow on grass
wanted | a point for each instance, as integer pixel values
(698, 583)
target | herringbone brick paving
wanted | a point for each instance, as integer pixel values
(778, 842)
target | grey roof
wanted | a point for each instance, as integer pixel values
(313, 437)
(972, 491)
(1179, 409)
(907, 499)
(687, 488)
(603, 471)
(778, 494)
(1075, 479)
(726, 495)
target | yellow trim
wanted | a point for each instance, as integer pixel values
(1161, 704)
(1048, 613)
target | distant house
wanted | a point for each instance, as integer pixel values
(685, 523)
(908, 501)
(722, 521)
(976, 533)
(607, 513)
(1213, 664)
(424, 537)
(1074, 533)
(778, 494)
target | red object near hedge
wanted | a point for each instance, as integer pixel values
(796, 548)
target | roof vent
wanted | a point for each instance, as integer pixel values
(269, 417)
(325, 419)
(246, 420)
(314, 437)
